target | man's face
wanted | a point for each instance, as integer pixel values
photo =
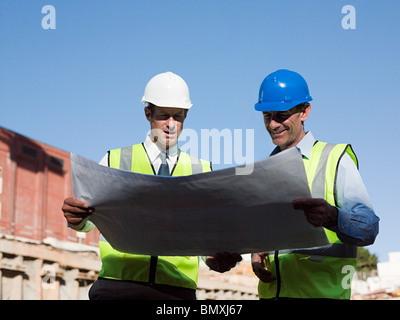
(166, 125)
(286, 127)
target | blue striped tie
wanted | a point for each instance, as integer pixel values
(164, 169)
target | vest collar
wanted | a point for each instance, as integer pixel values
(153, 151)
(305, 145)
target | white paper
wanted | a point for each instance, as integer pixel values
(200, 214)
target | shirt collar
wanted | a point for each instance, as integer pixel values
(305, 145)
(153, 151)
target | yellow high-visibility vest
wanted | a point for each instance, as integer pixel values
(169, 270)
(319, 272)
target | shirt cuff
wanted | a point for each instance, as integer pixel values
(84, 226)
(355, 229)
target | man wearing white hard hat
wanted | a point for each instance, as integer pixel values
(129, 276)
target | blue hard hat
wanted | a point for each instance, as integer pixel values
(281, 91)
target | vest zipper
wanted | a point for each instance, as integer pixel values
(278, 274)
(153, 269)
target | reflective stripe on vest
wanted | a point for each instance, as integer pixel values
(175, 271)
(123, 159)
(317, 272)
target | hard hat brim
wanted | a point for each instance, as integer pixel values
(276, 106)
(167, 104)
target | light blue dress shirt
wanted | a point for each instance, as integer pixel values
(357, 223)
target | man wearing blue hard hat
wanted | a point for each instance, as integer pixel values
(339, 203)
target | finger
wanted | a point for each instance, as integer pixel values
(237, 257)
(75, 206)
(259, 257)
(210, 262)
(304, 203)
(224, 261)
(72, 202)
(266, 276)
(216, 265)
(232, 258)
(76, 210)
(315, 220)
(257, 267)
(75, 220)
(75, 203)
(263, 274)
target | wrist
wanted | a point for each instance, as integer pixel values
(333, 217)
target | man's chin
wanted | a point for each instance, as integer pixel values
(166, 144)
(278, 142)
(171, 144)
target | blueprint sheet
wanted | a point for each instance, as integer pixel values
(200, 214)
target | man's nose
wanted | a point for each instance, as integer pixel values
(273, 123)
(171, 122)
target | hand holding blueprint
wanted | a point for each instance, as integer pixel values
(200, 214)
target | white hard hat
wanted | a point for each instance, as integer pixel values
(167, 90)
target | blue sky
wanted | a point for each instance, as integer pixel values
(78, 87)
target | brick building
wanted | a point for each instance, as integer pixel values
(40, 258)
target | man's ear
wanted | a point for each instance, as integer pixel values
(305, 113)
(147, 113)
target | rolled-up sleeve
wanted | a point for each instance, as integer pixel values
(357, 222)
